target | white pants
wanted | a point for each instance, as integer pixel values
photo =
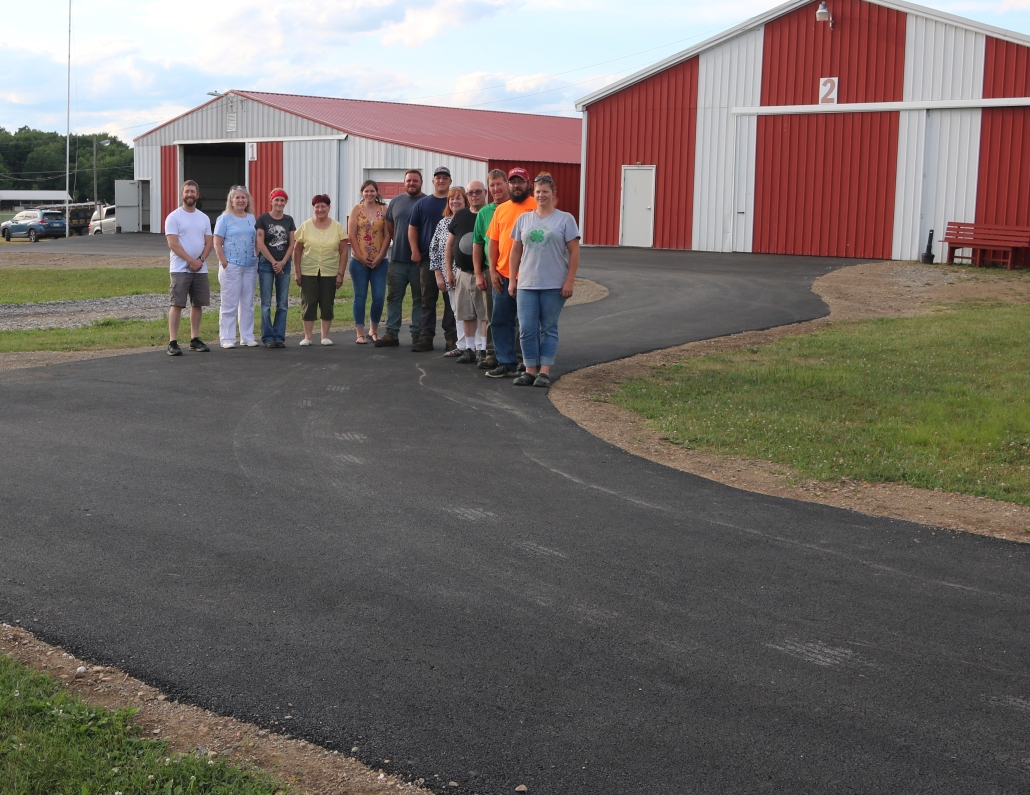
(461, 326)
(238, 286)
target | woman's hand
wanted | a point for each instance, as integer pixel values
(339, 280)
(566, 290)
(513, 288)
(441, 282)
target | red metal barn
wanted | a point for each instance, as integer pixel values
(311, 145)
(847, 128)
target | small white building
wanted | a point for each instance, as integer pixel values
(313, 145)
(20, 199)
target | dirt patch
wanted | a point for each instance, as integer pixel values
(859, 292)
(308, 768)
(13, 257)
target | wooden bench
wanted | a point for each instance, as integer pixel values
(988, 244)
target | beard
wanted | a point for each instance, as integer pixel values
(413, 190)
(189, 201)
(518, 198)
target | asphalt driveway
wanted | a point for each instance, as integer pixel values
(443, 571)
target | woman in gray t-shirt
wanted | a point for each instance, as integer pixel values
(543, 263)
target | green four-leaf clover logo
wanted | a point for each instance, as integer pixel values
(537, 235)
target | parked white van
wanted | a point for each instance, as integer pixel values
(105, 227)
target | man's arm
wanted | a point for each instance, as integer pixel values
(495, 276)
(416, 255)
(477, 266)
(191, 263)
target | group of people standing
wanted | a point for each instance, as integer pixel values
(502, 254)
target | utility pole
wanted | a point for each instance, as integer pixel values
(68, 133)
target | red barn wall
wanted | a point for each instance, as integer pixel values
(566, 179)
(169, 181)
(825, 184)
(865, 50)
(266, 174)
(1004, 169)
(653, 122)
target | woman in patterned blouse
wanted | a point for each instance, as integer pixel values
(370, 235)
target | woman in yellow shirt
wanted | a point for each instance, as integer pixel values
(320, 256)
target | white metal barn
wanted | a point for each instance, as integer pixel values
(312, 145)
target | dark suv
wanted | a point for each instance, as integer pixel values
(34, 224)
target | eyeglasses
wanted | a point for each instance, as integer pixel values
(545, 179)
(475, 192)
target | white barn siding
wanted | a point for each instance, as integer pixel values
(729, 75)
(253, 120)
(938, 150)
(310, 168)
(360, 155)
(942, 61)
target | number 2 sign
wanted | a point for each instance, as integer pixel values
(828, 91)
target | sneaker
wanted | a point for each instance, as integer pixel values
(306, 342)
(480, 358)
(501, 371)
(387, 341)
(196, 344)
(251, 343)
(271, 345)
(467, 356)
(326, 341)
(524, 379)
(280, 344)
(542, 380)
(422, 346)
(174, 349)
(453, 353)
(228, 344)
(489, 363)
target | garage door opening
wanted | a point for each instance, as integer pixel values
(215, 168)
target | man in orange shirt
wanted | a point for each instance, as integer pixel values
(505, 318)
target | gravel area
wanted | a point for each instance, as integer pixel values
(74, 314)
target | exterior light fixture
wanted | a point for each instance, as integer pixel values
(219, 93)
(823, 14)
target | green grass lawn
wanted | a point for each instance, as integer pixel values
(51, 743)
(59, 285)
(25, 285)
(938, 402)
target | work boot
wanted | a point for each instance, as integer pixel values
(489, 363)
(423, 345)
(387, 341)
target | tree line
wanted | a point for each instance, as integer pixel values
(34, 160)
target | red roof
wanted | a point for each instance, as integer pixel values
(475, 134)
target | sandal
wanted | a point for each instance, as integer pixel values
(373, 336)
(361, 341)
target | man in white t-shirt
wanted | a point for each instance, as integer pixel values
(189, 238)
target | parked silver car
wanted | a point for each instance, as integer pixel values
(107, 225)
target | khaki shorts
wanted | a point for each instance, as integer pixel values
(471, 303)
(194, 285)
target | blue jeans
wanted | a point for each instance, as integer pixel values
(399, 277)
(362, 278)
(273, 331)
(538, 317)
(502, 324)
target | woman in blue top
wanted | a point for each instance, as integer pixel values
(236, 246)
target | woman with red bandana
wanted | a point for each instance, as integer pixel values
(275, 248)
(370, 235)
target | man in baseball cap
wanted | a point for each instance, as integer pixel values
(442, 170)
(505, 319)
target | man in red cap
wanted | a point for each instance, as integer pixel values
(504, 323)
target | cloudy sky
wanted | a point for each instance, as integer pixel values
(136, 63)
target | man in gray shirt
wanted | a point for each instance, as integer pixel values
(402, 272)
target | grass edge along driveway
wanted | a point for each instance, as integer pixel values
(937, 401)
(53, 742)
